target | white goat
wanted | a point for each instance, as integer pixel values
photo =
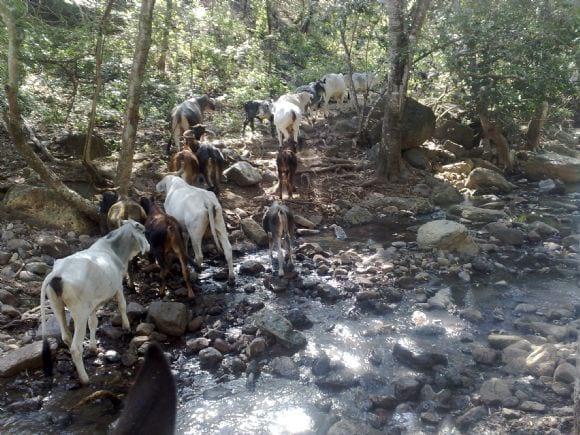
(87, 279)
(195, 209)
(334, 87)
(364, 82)
(287, 119)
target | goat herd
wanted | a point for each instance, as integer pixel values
(87, 279)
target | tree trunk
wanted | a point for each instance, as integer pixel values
(162, 62)
(535, 126)
(348, 59)
(401, 47)
(13, 120)
(95, 177)
(125, 165)
(577, 390)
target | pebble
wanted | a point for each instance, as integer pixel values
(112, 356)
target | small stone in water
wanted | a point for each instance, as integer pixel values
(112, 356)
(464, 276)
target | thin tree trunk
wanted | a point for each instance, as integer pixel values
(401, 47)
(13, 120)
(348, 59)
(95, 177)
(162, 62)
(535, 126)
(577, 390)
(142, 45)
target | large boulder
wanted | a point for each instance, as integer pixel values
(47, 208)
(455, 132)
(505, 234)
(418, 124)
(445, 194)
(495, 392)
(169, 317)
(446, 235)
(243, 174)
(28, 357)
(280, 328)
(254, 231)
(549, 165)
(73, 144)
(487, 181)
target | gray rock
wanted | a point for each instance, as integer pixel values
(135, 311)
(337, 380)
(530, 406)
(445, 194)
(251, 267)
(500, 341)
(38, 268)
(441, 300)
(348, 427)
(468, 419)
(298, 319)
(543, 229)
(417, 357)
(446, 235)
(476, 214)
(484, 355)
(358, 216)
(52, 245)
(52, 329)
(321, 365)
(27, 357)
(254, 232)
(407, 388)
(8, 298)
(194, 345)
(525, 308)
(566, 373)
(484, 180)
(509, 236)
(515, 355)
(16, 244)
(144, 329)
(169, 317)
(210, 358)
(4, 258)
(495, 392)
(112, 356)
(284, 367)
(559, 333)
(536, 166)
(449, 130)
(572, 240)
(256, 347)
(279, 327)
(243, 174)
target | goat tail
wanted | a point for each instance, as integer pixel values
(46, 352)
(294, 116)
(212, 211)
(283, 219)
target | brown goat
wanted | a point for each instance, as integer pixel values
(287, 163)
(186, 161)
(164, 236)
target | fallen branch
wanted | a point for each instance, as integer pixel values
(338, 166)
(100, 394)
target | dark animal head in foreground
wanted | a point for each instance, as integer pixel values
(151, 404)
(109, 198)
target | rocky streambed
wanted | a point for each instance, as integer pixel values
(466, 326)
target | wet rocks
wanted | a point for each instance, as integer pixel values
(279, 327)
(446, 235)
(339, 379)
(194, 345)
(24, 358)
(298, 319)
(484, 180)
(445, 194)
(441, 300)
(321, 365)
(531, 406)
(417, 357)
(477, 214)
(254, 232)
(500, 341)
(542, 361)
(407, 388)
(456, 132)
(468, 419)
(243, 174)
(497, 392)
(566, 373)
(543, 229)
(256, 347)
(509, 236)
(210, 358)
(348, 427)
(484, 355)
(416, 158)
(169, 317)
(251, 267)
(284, 367)
(357, 216)
(557, 332)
